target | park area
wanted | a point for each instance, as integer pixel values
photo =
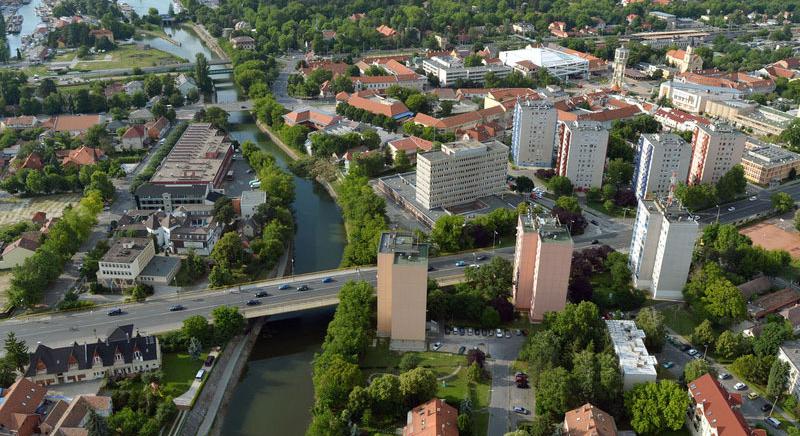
(127, 56)
(14, 210)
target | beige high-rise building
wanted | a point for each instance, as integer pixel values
(582, 152)
(402, 290)
(716, 148)
(461, 172)
(534, 135)
(542, 262)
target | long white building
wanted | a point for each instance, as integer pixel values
(534, 133)
(460, 172)
(582, 149)
(451, 69)
(716, 148)
(558, 63)
(661, 248)
(635, 363)
(658, 157)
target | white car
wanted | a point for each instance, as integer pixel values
(731, 209)
(436, 346)
(753, 198)
(499, 333)
(740, 386)
(691, 352)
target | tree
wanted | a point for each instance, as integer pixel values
(476, 355)
(490, 318)
(792, 135)
(778, 379)
(731, 184)
(541, 353)
(16, 351)
(524, 184)
(195, 348)
(96, 425)
(384, 391)
(474, 373)
(464, 423)
(553, 392)
(223, 210)
(101, 183)
(493, 279)
(196, 326)
(217, 117)
(8, 374)
(770, 339)
(448, 232)
(797, 220)
(619, 172)
(696, 368)
(651, 322)
(401, 161)
(729, 345)
(201, 72)
(417, 386)
(560, 186)
(228, 322)
(753, 368)
(568, 203)
(228, 251)
(655, 407)
(782, 202)
(409, 361)
(703, 334)
(724, 302)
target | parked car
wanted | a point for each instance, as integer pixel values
(723, 376)
(692, 352)
(740, 386)
(436, 346)
(115, 311)
(752, 396)
(327, 280)
(773, 422)
(461, 263)
(469, 331)
(462, 349)
(521, 410)
(753, 198)
(253, 302)
(209, 361)
(507, 334)
(262, 294)
(176, 308)
(765, 407)
(462, 331)
(668, 364)
(284, 287)
(499, 333)
(200, 374)
(594, 222)
(303, 288)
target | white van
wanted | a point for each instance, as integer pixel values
(200, 374)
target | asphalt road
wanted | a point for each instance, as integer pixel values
(153, 316)
(744, 209)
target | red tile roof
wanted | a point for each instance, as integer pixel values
(73, 123)
(434, 418)
(588, 420)
(24, 121)
(717, 406)
(376, 105)
(336, 68)
(411, 144)
(317, 118)
(455, 121)
(83, 156)
(735, 80)
(773, 302)
(135, 131)
(32, 162)
(21, 400)
(25, 243)
(386, 30)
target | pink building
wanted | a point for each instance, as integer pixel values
(542, 262)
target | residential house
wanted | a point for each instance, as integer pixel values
(134, 138)
(72, 124)
(194, 229)
(140, 116)
(715, 412)
(15, 253)
(32, 162)
(157, 129)
(409, 145)
(39, 217)
(123, 352)
(113, 88)
(83, 156)
(773, 302)
(250, 228)
(19, 406)
(589, 420)
(69, 418)
(185, 84)
(434, 418)
(133, 87)
(102, 33)
(19, 123)
(754, 287)
(386, 31)
(243, 43)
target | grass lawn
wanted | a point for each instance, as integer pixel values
(128, 56)
(680, 320)
(480, 423)
(179, 370)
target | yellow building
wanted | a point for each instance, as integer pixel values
(766, 164)
(685, 60)
(402, 290)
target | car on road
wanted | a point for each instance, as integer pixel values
(723, 376)
(115, 311)
(740, 386)
(436, 346)
(253, 302)
(431, 268)
(284, 287)
(765, 407)
(594, 222)
(753, 198)
(327, 280)
(250, 171)
(499, 333)
(521, 410)
(508, 334)
(773, 422)
(595, 242)
(752, 396)
(668, 364)
(176, 308)
(303, 288)
(691, 352)
(461, 263)
(462, 349)
(475, 265)
(481, 257)
(262, 294)
(731, 209)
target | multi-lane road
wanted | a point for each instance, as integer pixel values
(154, 316)
(747, 208)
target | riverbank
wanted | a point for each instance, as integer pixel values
(209, 40)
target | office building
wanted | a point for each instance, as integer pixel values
(560, 64)
(534, 133)
(132, 260)
(713, 411)
(766, 164)
(402, 290)
(461, 172)
(635, 363)
(589, 420)
(542, 262)
(451, 69)
(750, 116)
(694, 98)
(659, 157)
(661, 248)
(582, 152)
(716, 148)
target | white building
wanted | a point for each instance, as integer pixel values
(692, 97)
(133, 260)
(534, 133)
(635, 363)
(789, 352)
(450, 69)
(250, 200)
(559, 64)
(460, 172)
(661, 248)
(582, 152)
(659, 157)
(716, 148)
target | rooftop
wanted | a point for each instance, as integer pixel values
(434, 418)
(673, 212)
(548, 228)
(541, 56)
(198, 156)
(463, 149)
(718, 407)
(125, 250)
(770, 155)
(161, 266)
(588, 420)
(405, 248)
(792, 350)
(629, 346)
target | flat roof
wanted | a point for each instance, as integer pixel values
(405, 247)
(161, 266)
(548, 228)
(463, 148)
(125, 250)
(198, 156)
(541, 56)
(629, 346)
(672, 212)
(770, 155)
(792, 351)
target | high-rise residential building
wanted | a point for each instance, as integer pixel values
(661, 248)
(716, 148)
(402, 290)
(534, 135)
(542, 262)
(460, 172)
(659, 157)
(582, 152)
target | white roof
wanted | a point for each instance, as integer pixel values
(540, 56)
(630, 349)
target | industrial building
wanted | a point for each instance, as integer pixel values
(562, 65)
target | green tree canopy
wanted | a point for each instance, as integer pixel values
(656, 407)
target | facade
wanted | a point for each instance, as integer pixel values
(402, 290)
(693, 98)
(635, 363)
(202, 155)
(434, 418)
(789, 352)
(534, 133)
(716, 148)
(684, 60)
(663, 234)
(542, 264)
(124, 261)
(133, 138)
(715, 412)
(123, 352)
(588, 420)
(766, 164)
(582, 152)
(243, 43)
(762, 120)
(659, 158)
(167, 198)
(620, 61)
(450, 69)
(460, 172)
(558, 63)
